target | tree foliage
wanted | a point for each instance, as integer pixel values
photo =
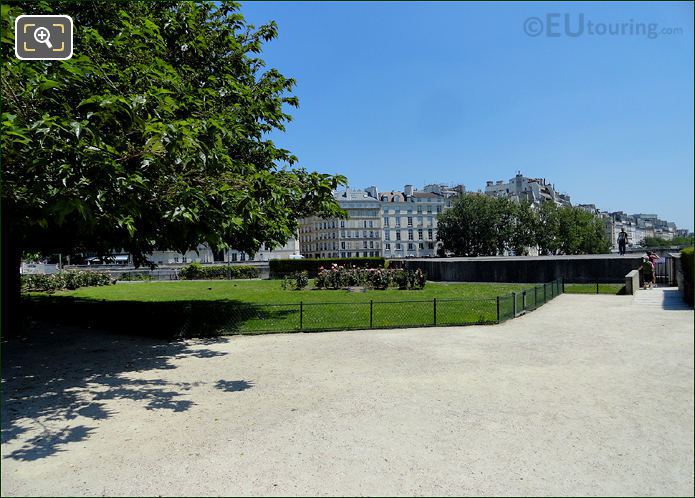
(661, 242)
(154, 135)
(479, 225)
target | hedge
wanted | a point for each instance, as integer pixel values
(196, 271)
(69, 279)
(282, 267)
(687, 263)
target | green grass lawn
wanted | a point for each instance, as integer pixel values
(260, 306)
(591, 289)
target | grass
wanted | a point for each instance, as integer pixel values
(260, 306)
(591, 289)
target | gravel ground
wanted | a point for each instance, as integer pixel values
(589, 395)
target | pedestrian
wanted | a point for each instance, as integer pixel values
(647, 270)
(622, 241)
(653, 258)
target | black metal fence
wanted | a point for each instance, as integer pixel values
(216, 318)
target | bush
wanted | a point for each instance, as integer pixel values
(297, 281)
(338, 277)
(69, 279)
(281, 267)
(687, 263)
(196, 271)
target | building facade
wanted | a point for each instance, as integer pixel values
(410, 220)
(360, 235)
(205, 254)
(390, 224)
(533, 190)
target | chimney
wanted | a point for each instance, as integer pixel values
(372, 192)
(488, 183)
(408, 191)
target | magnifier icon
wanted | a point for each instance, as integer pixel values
(42, 35)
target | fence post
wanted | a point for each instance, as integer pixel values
(498, 309)
(535, 296)
(596, 287)
(513, 304)
(371, 313)
(545, 293)
(434, 303)
(523, 299)
(301, 315)
(563, 284)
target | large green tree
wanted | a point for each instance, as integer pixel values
(479, 225)
(154, 135)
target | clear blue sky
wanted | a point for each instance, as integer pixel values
(394, 93)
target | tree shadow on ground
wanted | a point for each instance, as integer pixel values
(170, 319)
(58, 383)
(231, 386)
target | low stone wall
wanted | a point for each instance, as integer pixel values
(632, 282)
(573, 269)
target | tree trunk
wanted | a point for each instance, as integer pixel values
(11, 260)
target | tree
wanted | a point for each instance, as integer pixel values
(476, 225)
(479, 225)
(661, 242)
(154, 135)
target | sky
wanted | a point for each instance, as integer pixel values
(595, 97)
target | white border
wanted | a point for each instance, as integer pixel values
(72, 33)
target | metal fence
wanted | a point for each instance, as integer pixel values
(215, 318)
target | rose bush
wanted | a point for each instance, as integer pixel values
(338, 277)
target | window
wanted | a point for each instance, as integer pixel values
(410, 235)
(371, 234)
(398, 221)
(386, 221)
(371, 244)
(439, 209)
(184, 259)
(398, 247)
(364, 244)
(419, 234)
(243, 256)
(421, 245)
(430, 245)
(357, 234)
(410, 221)
(429, 234)
(419, 209)
(342, 245)
(342, 224)
(410, 246)
(364, 234)
(365, 223)
(398, 235)
(388, 247)
(176, 259)
(364, 254)
(371, 224)
(342, 254)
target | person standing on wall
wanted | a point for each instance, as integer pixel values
(622, 241)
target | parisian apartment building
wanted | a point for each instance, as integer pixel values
(396, 224)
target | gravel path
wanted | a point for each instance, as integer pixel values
(589, 395)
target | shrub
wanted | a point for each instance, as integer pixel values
(196, 271)
(337, 277)
(297, 281)
(69, 279)
(281, 267)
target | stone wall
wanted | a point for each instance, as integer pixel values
(598, 268)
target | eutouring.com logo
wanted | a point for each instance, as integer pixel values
(555, 25)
